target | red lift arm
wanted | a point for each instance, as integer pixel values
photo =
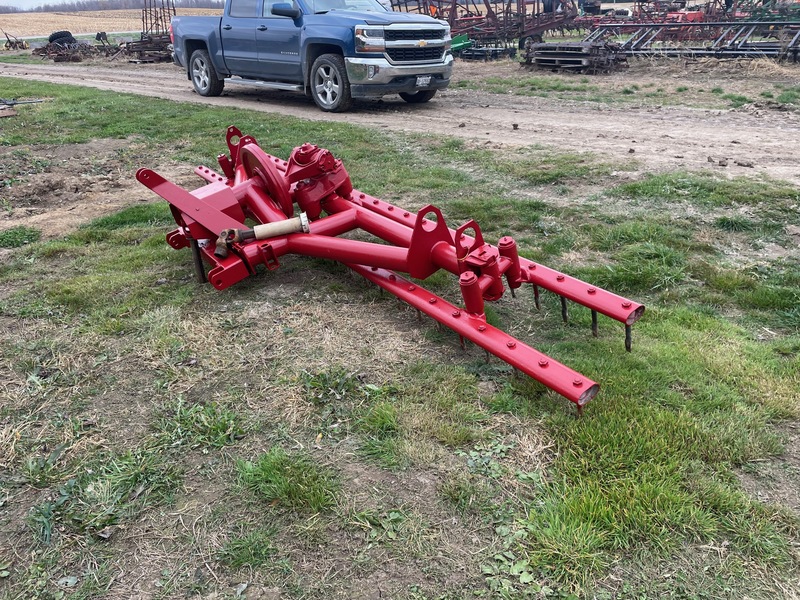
(265, 189)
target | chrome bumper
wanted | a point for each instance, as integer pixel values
(384, 73)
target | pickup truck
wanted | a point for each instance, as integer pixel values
(332, 50)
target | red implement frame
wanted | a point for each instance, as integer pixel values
(265, 189)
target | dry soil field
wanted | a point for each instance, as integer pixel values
(43, 24)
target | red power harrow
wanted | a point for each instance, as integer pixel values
(257, 186)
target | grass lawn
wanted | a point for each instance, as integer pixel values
(301, 435)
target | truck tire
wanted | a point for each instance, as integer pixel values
(418, 97)
(330, 87)
(58, 34)
(65, 41)
(205, 80)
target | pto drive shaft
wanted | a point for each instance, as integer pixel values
(260, 232)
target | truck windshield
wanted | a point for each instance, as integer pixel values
(323, 6)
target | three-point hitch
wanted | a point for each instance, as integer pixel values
(265, 189)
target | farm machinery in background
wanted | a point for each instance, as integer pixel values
(14, 43)
(496, 28)
(302, 206)
(492, 27)
(717, 29)
(152, 45)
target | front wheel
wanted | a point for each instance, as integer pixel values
(330, 87)
(204, 77)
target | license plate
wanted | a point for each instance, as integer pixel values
(423, 80)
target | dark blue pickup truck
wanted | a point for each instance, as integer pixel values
(333, 50)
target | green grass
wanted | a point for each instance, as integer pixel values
(200, 425)
(609, 237)
(110, 490)
(19, 59)
(380, 427)
(736, 100)
(735, 223)
(141, 408)
(536, 86)
(706, 190)
(18, 236)
(290, 481)
(789, 96)
(535, 165)
(564, 86)
(640, 268)
(254, 549)
(327, 387)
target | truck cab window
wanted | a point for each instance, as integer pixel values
(323, 6)
(244, 8)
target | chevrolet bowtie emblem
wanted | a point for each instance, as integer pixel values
(422, 43)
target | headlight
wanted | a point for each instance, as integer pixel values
(369, 39)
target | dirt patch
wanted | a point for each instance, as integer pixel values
(58, 188)
(777, 480)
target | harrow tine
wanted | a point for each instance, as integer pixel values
(594, 323)
(513, 293)
(564, 315)
(536, 297)
(628, 340)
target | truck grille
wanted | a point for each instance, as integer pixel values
(397, 55)
(393, 35)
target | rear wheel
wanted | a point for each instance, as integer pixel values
(532, 39)
(418, 97)
(204, 77)
(330, 87)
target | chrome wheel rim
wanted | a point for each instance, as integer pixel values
(326, 85)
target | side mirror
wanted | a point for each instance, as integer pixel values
(285, 9)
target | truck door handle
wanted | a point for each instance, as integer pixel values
(262, 27)
(227, 27)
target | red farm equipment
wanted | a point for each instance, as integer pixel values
(496, 21)
(265, 189)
